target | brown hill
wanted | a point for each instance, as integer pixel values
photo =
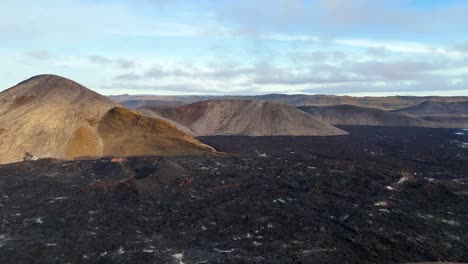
(244, 117)
(50, 116)
(362, 116)
(432, 108)
(128, 133)
(444, 114)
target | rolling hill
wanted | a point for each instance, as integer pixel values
(243, 117)
(444, 114)
(362, 116)
(433, 108)
(51, 116)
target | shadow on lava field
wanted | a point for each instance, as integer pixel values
(392, 145)
(379, 195)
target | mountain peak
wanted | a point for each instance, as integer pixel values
(52, 89)
(43, 77)
(48, 82)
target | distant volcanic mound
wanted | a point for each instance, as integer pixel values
(243, 117)
(432, 108)
(362, 116)
(50, 116)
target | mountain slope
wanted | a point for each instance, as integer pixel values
(50, 116)
(41, 114)
(448, 121)
(128, 133)
(363, 116)
(244, 117)
(432, 108)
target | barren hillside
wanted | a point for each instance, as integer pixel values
(432, 108)
(444, 114)
(128, 133)
(50, 116)
(244, 117)
(362, 116)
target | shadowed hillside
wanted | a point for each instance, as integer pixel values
(362, 116)
(431, 108)
(444, 114)
(448, 121)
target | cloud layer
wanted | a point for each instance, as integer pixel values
(236, 47)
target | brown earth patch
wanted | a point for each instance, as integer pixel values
(83, 143)
(22, 100)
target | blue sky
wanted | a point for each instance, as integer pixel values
(175, 47)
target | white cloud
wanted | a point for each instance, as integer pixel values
(166, 29)
(405, 47)
(262, 45)
(388, 15)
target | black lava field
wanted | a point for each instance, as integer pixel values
(378, 195)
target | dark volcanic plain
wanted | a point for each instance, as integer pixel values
(378, 195)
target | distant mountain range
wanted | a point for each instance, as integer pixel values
(428, 111)
(134, 104)
(384, 103)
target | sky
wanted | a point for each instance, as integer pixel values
(241, 47)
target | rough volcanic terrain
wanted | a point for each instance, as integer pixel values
(243, 117)
(378, 195)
